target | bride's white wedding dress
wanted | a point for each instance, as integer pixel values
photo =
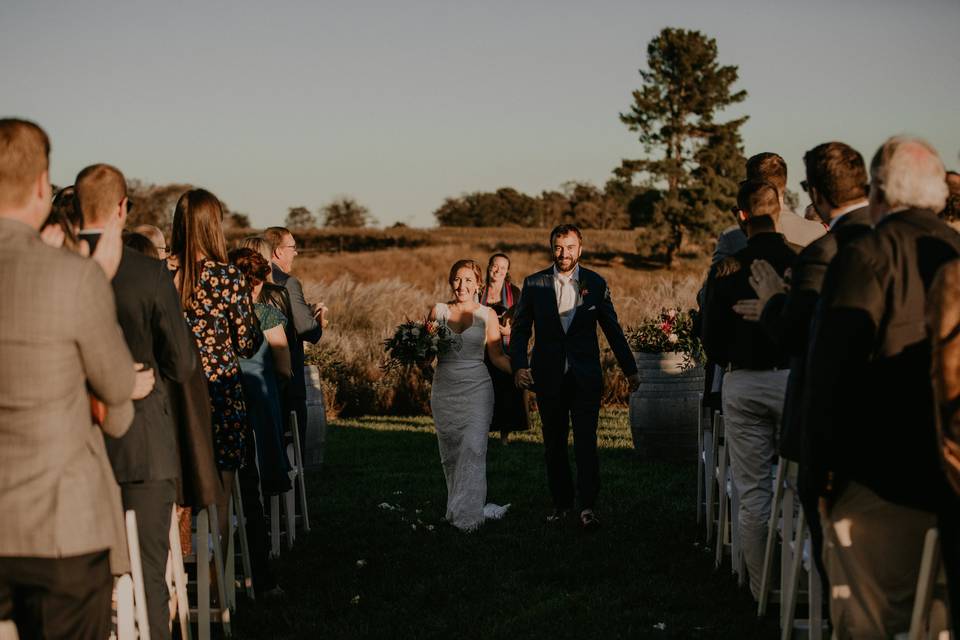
(462, 403)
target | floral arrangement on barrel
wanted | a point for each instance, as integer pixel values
(672, 332)
(417, 344)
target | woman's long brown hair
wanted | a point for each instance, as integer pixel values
(197, 234)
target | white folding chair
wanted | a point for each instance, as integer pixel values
(207, 535)
(929, 619)
(781, 512)
(301, 482)
(801, 556)
(132, 621)
(711, 476)
(703, 419)
(175, 566)
(237, 530)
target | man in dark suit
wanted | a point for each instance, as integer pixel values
(869, 396)
(145, 460)
(836, 182)
(308, 320)
(757, 369)
(563, 305)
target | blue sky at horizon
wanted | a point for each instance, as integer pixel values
(403, 104)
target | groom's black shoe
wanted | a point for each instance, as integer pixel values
(589, 520)
(558, 517)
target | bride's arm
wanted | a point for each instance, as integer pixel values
(494, 343)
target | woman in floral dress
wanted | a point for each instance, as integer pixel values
(216, 303)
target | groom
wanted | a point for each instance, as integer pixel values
(563, 305)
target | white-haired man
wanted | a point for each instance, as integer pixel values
(870, 398)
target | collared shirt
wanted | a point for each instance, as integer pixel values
(843, 212)
(568, 294)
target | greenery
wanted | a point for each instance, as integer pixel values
(672, 332)
(417, 343)
(693, 162)
(346, 212)
(154, 204)
(300, 219)
(366, 571)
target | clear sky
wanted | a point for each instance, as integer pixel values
(400, 104)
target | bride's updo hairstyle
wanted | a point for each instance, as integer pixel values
(466, 264)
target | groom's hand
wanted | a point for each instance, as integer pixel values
(634, 382)
(523, 379)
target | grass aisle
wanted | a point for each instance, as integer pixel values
(371, 571)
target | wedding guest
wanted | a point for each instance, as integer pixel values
(219, 312)
(943, 320)
(501, 295)
(836, 181)
(155, 236)
(308, 321)
(870, 399)
(145, 461)
(266, 472)
(795, 228)
(141, 244)
(61, 226)
(63, 530)
(756, 380)
(276, 296)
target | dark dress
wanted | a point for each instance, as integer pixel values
(509, 414)
(220, 316)
(263, 407)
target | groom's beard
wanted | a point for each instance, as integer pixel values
(558, 263)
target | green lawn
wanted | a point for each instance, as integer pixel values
(367, 571)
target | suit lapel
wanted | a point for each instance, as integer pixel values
(584, 283)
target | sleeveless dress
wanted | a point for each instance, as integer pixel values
(462, 403)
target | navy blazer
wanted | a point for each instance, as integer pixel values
(537, 312)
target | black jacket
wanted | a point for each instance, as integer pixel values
(148, 311)
(868, 394)
(727, 338)
(537, 311)
(787, 317)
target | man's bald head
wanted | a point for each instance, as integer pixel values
(155, 236)
(101, 189)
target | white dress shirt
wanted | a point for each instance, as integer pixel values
(568, 295)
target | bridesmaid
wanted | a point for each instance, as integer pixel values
(500, 294)
(219, 311)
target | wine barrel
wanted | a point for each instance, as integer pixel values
(665, 409)
(316, 418)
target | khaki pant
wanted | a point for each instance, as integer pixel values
(872, 551)
(752, 408)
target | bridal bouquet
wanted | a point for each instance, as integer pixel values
(416, 343)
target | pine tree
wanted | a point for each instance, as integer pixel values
(692, 160)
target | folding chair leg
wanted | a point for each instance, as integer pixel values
(229, 561)
(737, 566)
(301, 481)
(202, 549)
(926, 582)
(126, 625)
(218, 567)
(136, 573)
(792, 585)
(787, 534)
(712, 476)
(290, 511)
(244, 544)
(701, 461)
(815, 595)
(179, 577)
(767, 576)
(722, 525)
(274, 526)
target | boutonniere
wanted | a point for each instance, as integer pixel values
(584, 292)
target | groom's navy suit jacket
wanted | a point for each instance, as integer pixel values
(537, 311)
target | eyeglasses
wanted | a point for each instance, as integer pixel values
(289, 246)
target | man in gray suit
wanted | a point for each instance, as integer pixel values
(62, 526)
(306, 325)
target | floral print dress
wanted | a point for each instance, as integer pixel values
(224, 326)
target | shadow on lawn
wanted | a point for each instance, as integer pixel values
(380, 562)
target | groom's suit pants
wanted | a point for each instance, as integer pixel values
(581, 407)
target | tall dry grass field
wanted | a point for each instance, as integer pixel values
(370, 292)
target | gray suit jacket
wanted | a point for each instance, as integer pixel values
(306, 325)
(58, 337)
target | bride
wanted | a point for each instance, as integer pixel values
(462, 397)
